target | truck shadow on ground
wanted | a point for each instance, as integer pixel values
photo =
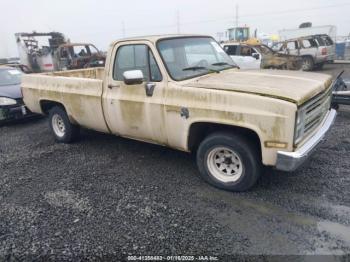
(20, 122)
(165, 156)
(323, 173)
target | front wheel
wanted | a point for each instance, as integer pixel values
(63, 130)
(229, 162)
(307, 64)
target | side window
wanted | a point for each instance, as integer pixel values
(313, 43)
(306, 43)
(283, 47)
(328, 40)
(136, 57)
(291, 45)
(246, 51)
(231, 49)
(320, 41)
(126, 60)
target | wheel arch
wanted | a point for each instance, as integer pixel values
(309, 56)
(47, 105)
(198, 131)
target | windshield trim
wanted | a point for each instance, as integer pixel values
(190, 77)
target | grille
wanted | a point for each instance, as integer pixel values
(315, 111)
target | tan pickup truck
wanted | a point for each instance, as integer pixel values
(186, 93)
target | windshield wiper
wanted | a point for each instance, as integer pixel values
(194, 68)
(220, 64)
(223, 64)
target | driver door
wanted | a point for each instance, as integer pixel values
(247, 60)
(130, 110)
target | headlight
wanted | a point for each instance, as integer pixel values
(5, 101)
(299, 125)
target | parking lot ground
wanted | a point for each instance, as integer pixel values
(105, 195)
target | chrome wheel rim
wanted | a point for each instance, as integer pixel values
(225, 164)
(58, 125)
(306, 65)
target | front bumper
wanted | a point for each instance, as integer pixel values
(290, 161)
(9, 113)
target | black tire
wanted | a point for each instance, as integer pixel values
(308, 63)
(335, 106)
(319, 66)
(242, 148)
(67, 134)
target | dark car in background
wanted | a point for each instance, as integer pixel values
(11, 100)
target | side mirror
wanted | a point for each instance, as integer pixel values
(256, 56)
(133, 77)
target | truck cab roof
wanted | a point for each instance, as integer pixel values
(155, 38)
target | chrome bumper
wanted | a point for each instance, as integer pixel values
(290, 161)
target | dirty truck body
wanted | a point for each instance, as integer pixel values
(184, 92)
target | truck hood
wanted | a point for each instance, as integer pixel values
(293, 86)
(11, 91)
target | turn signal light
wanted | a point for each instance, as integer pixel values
(273, 144)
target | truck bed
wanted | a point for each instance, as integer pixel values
(91, 73)
(80, 91)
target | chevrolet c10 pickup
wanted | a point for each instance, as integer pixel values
(185, 92)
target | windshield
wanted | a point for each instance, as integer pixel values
(10, 77)
(193, 56)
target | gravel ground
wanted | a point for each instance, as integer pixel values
(105, 196)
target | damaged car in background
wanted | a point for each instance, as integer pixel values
(11, 100)
(260, 56)
(341, 92)
(46, 52)
(315, 50)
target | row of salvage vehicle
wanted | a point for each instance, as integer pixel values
(186, 93)
(40, 52)
(305, 53)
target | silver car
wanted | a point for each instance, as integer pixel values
(316, 50)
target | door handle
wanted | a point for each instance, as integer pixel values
(150, 88)
(110, 86)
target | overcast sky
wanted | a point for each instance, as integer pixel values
(101, 21)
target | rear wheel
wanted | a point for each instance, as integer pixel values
(319, 66)
(229, 162)
(63, 130)
(307, 64)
